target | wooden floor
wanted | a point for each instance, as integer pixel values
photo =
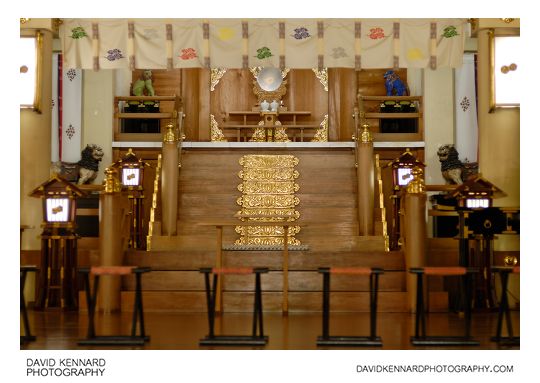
(56, 330)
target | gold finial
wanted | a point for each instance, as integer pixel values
(111, 182)
(169, 135)
(510, 260)
(366, 136)
(417, 184)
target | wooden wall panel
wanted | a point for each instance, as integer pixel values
(234, 92)
(341, 101)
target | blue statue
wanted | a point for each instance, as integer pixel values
(394, 84)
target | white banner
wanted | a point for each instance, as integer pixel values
(71, 114)
(466, 116)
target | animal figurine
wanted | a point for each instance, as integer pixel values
(143, 86)
(451, 166)
(393, 84)
(83, 172)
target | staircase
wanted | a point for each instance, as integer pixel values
(328, 218)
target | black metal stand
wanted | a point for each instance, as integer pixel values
(27, 337)
(257, 337)
(420, 338)
(91, 299)
(372, 340)
(504, 311)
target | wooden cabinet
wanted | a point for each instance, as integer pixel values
(393, 118)
(144, 118)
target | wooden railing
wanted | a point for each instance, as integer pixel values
(154, 206)
(380, 198)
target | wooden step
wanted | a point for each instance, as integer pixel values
(272, 281)
(272, 301)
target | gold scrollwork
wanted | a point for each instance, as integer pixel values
(268, 187)
(266, 231)
(265, 174)
(266, 241)
(321, 135)
(216, 135)
(268, 201)
(269, 215)
(322, 75)
(215, 75)
(268, 161)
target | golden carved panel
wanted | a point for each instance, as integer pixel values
(268, 201)
(268, 187)
(269, 215)
(266, 231)
(268, 174)
(266, 241)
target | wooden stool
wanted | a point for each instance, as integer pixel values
(344, 340)
(255, 339)
(512, 340)
(27, 337)
(420, 338)
(91, 299)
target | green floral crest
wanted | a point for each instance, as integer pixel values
(78, 33)
(263, 53)
(450, 31)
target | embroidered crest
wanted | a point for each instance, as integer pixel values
(450, 31)
(188, 54)
(263, 53)
(465, 103)
(70, 131)
(114, 54)
(301, 33)
(78, 33)
(338, 52)
(71, 74)
(376, 33)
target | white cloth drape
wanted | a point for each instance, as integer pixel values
(466, 116)
(66, 146)
(298, 43)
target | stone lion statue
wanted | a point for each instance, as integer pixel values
(451, 166)
(86, 170)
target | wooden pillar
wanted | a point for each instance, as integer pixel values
(169, 182)
(414, 231)
(366, 182)
(110, 241)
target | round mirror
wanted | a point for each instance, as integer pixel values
(269, 79)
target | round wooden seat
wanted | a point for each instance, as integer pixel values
(456, 270)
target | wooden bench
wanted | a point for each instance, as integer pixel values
(27, 337)
(420, 337)
(511, 340)
(91, 299)
(257, 337)
(345, 340)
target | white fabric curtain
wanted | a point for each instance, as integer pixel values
(466, 115)
(298, 43)
(66, 125)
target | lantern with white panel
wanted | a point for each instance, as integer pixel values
(57, 282)
(401, 176)
(131, 169)
(479, 222)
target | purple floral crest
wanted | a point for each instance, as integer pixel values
(114, 54)
(301, 33)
